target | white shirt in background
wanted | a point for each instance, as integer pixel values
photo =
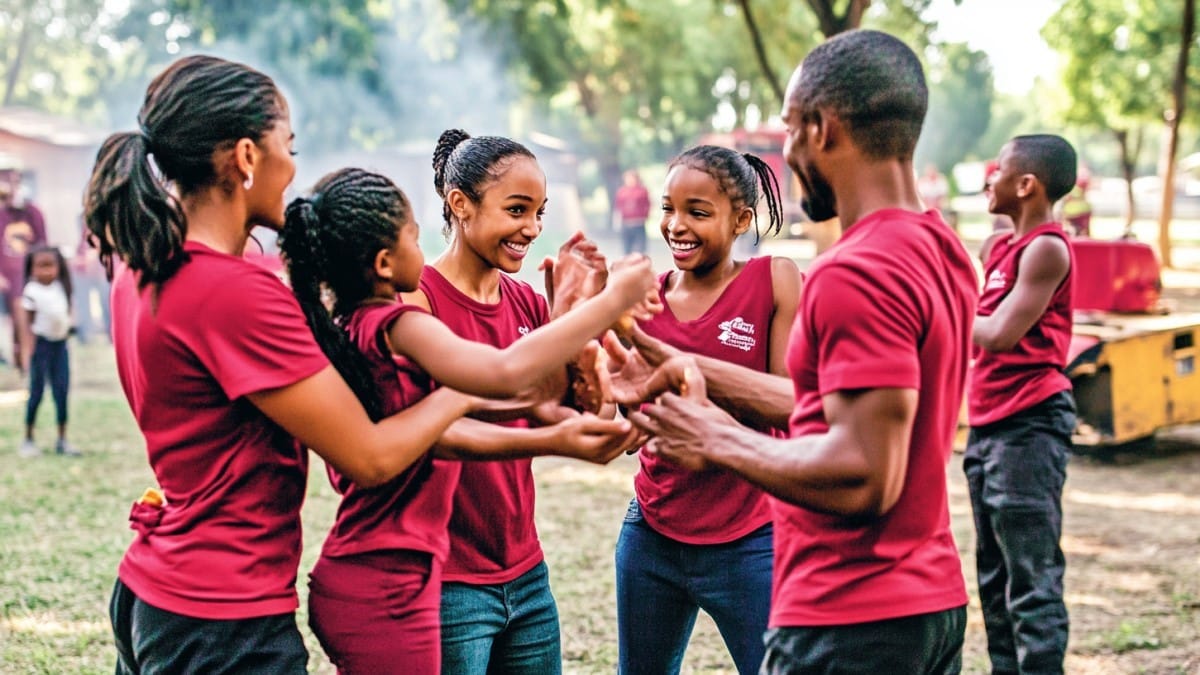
(51, 311)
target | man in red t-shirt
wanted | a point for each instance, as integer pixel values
(1022, 412)
(867, 574)
(632, 206)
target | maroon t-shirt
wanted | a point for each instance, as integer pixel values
(714, 506)
(227, 543)
(21, 229)
(493, 539)
(411, 511)
(890, 305)
(1005, 383)
(633, 202)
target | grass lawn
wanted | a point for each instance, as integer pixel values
(1133, 585)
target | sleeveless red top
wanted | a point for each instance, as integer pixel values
(711, 507)
(1005, 383)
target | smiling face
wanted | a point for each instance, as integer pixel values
(509, 215)
(1003, 184)
(699, 221)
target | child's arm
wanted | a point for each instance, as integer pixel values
(23, 323)
(584, 437)
(1044, 265)
(484, 370)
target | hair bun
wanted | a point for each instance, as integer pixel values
(447, 142)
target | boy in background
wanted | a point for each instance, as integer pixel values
(1021, 410)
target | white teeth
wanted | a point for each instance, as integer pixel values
(683, 245)
(519, 248)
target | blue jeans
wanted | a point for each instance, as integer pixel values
(501, 628)
(1015, 470)
(662, 584)
(50, 363)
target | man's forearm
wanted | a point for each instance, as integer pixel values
(757, 399)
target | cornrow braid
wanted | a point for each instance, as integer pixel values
(739, 177)
(329, 242)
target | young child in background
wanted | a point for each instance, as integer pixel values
(702, 540)
(1021, 410)
(44, 355)
(356, 237)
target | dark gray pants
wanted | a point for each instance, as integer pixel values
(1015, 470)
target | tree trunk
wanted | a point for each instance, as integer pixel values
(760, 51)
(14, 68)
(831, 23)
(1174, 118)
(1129, 150)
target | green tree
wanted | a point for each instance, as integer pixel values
(960, 105)
(1117, 69)
(1174, 118)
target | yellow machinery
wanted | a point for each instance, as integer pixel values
(1134, 375)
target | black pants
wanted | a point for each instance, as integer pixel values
(151, 641)
(923, 644)
(1015, 470)
(50, 361)
(633, 236)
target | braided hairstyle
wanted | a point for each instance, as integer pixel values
(198, 105)
(470, 165)
(329, 241)
(738, 175)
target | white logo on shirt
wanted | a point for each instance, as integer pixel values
(523, 330)
(738, 334)
(996, 279)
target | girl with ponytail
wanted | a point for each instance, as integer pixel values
(497, 611)
(224, 378)
(681, 549)
(355, 238)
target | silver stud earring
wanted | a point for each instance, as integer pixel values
(249, 182)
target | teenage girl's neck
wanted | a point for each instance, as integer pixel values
(716, 276)
(867, 186)
(469, 273)
(217, 221)
(1031, 215)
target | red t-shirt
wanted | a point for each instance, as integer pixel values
(493, 539)
(1005, 383)
(411, 511)
(227, 543)
(21, 229)
(633, 202)
(889, 305)
(711, 507)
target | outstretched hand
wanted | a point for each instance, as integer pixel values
(682, 428)
(643, 372)
(593, 439)
(577, 273)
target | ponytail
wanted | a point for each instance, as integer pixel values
(329, 243)
(770, 188)
(128, 211)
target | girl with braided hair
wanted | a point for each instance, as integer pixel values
(224, 378)
(356, 238)
(681, 548)
(498, 614)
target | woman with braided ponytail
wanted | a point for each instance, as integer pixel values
(498, 614)
(702, 540)
(224, 378)
(375, 592)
